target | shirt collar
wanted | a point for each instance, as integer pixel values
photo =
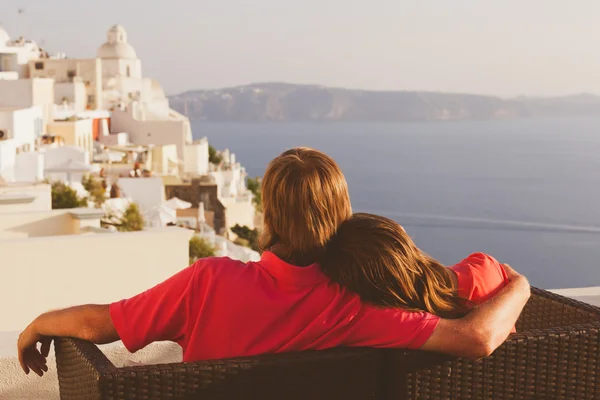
(291, 274)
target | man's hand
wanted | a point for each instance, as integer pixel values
(515, 277)
(30, 357)
(480, 332)
(88, 322)
(511, 273)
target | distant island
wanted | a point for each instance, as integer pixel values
(264, 102)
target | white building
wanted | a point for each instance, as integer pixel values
(164, 160)
(140, 106)
(19, 130)
(230, 178)
(147, 128)
(54, 155)
(23, 125)
(121, 68)
(148, 193)
(78, 82)
(196, 158)
(16, 54)
(8, 155)
(74, 132)
(29, 167)
(26, 93)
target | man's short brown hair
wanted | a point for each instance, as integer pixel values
(305, 198)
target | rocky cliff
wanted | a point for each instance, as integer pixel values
(288, 102)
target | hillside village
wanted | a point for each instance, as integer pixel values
(99, 178)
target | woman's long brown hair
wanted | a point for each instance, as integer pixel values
(374, 257)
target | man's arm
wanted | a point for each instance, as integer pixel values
(159, 313)
(485, 328)
(88, 322)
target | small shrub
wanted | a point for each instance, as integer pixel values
(247, 234)
(64, 196)
(200, 248)
(96, 188)
(213, 156)
(254, 185)
(132, 219)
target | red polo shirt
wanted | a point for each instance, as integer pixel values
(220, 308)
(480, 277)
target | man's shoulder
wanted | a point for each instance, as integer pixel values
(222, 267)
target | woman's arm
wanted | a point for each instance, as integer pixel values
(87, 322)
(485, 328)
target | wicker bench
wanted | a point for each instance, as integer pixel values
(555, 355)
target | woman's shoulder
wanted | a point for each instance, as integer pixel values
(481, 262)
(480, 276)
(481, 258)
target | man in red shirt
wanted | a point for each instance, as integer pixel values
(220, 308)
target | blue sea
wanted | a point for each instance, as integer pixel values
(525, 191)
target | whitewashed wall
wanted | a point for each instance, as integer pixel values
(29, 167)
(24, 125)
(239, 212)
(8, 153)
(45, 273)
(73, 92)
(16, 93)
(148, 193)
(196, 158)
(158, 132)
(29, 224)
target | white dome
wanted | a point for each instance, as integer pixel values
(4, 38)
(116, 45)
(116, 50)
(117, 28)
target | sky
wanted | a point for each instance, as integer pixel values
(498, 47)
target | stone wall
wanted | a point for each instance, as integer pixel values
(199, 190)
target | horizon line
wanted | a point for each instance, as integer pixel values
(324, 86)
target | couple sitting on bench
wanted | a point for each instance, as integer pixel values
(326, 278)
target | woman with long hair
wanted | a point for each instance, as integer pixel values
(374, 257)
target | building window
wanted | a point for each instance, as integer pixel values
(71, 74)
(39, 65)
(128, 70)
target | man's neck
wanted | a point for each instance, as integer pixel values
(296, 259)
